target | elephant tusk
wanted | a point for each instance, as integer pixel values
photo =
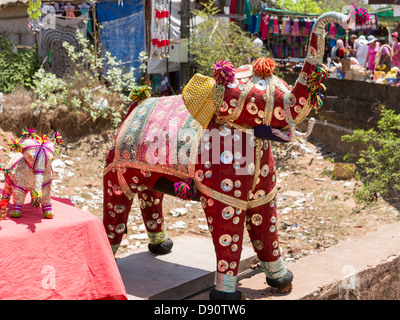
(293, 133)
(310, 127)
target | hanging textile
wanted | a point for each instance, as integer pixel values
(159, 38)
(123, 32)
(265, 27)
(247, 11)
(50, 43)
(296, 28)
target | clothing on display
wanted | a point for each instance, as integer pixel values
(160, 38)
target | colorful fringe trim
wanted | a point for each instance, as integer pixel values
(263, 67)
(185, 190)
(362, 14)
(315, 98)
(28, 133)
(15, 144)
(140, 93)
(223, 72)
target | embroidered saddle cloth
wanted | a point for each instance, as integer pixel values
(159, 135)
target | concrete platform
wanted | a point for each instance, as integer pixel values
(188, 270)
(366, 268)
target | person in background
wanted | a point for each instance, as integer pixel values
(257, 41)
(383, 60)
(373, 48)
(340, 51)
(352, 45)
(362, 50)
(396, 49)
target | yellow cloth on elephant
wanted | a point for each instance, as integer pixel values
(198, 97)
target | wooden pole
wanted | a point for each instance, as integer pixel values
(185, 68)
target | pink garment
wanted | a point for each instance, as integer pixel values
(372, 52)
(332, 31)
(307, 28)
(261, 23)
(265, 27)
(296, 28)
(276, 27)
(396, 58)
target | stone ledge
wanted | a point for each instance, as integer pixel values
(186, 271)
(366, 269)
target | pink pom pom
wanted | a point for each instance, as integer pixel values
(185, 190)
(224, 72)
(362, 15)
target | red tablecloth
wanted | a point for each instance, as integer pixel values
(67, 257)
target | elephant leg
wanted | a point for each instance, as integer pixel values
(46, 201)
(150, 203)
(116, 208)
(261, 225)
(226, 225)
(18, 198)
(5, 198)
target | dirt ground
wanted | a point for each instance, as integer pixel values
(314, 210)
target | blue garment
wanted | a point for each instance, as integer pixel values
(253, 24)
(123, 32)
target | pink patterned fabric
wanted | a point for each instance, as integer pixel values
(154, 131)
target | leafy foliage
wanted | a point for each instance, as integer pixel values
(215, 39)
(379, 161)
(87, 89)
(17, 66)
(308, 6)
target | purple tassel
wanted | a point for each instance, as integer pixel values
(185, 190)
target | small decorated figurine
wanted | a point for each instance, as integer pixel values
(30, 171)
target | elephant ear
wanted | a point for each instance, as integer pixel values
(198, 98)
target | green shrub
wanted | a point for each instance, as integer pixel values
(379, 161)
(17, 66)
(87, 89)
(215, 39)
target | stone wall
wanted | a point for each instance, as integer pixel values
(14, 23)
(348, 105)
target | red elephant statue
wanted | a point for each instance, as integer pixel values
(212, 143)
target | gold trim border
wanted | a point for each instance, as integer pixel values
(228, 200)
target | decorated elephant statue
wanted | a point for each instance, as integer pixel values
(212, 143)
(30, 171)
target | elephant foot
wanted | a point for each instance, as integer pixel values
(15, 214)
(221, 295)
(48, 214)
(283, 284)
(161, 248)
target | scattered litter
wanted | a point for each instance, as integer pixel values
(140, 236)
(77, 200)
(291, 193)
(176, 212)
(179, 225)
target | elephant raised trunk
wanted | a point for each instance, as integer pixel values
(247, 106)
(305, 94)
